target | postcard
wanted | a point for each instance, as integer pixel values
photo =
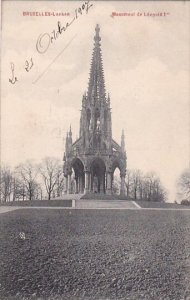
(95, 107)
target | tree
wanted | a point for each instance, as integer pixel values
(153, 189)
(19, 190)
(50, 170)
(144, 187)
(59, 187)
(136, 179)
(141, 186)
(6, 181)
(184, 184)
(27, 174)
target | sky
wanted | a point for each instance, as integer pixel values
(146, 66)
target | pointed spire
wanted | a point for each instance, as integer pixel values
(66, 144)
(123, 141)
(70, 132)
(96, 87)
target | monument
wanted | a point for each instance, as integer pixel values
(94, 156)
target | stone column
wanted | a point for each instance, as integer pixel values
(108, 187)
(90, 182)
(65, 185)
(76, 185)
(80, 184)
(122, 189)
(102, 179)
(86, 187)
(69, 184)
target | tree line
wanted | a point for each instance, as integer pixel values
(29, 181)
(140, 186)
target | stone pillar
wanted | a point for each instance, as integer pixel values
(69, 184)
(122, 189)
(102, 179)
(76, 185)
(65, 185)
(86, 187)
(108, 187)
(80, 184)
(90, 182)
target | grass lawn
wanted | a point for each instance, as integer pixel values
(95, 254)
(40, 203)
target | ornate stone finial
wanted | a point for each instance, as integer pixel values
(97, 38)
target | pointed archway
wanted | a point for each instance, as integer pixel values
(78, 176)
(117, 165)
(97, 176)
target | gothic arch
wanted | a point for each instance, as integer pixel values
(78, 166)
(77, 179)
(117, 164)
(91, 161)
(121, 166)
(97, 178)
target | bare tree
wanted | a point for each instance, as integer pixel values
(19, 190)
(6, 181)
(153, 189)
(136, 179)
(184, 184)
(59, 187)
(50, 169)
(141, 186)
(27, 174)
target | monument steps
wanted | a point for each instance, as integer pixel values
(104, 204)
(69, 197)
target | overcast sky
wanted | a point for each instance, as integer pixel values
(146, 66)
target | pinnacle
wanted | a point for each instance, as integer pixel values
(96, 85)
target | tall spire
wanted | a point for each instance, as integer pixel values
(123, 141)
(70, 131)
(96, 87)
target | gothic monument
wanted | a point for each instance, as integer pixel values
(94, 156)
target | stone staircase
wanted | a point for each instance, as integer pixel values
(69, 197)
(105, 204)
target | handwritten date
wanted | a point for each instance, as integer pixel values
(28, 66)
(46, 39)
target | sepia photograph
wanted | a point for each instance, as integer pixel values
(95, 150)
